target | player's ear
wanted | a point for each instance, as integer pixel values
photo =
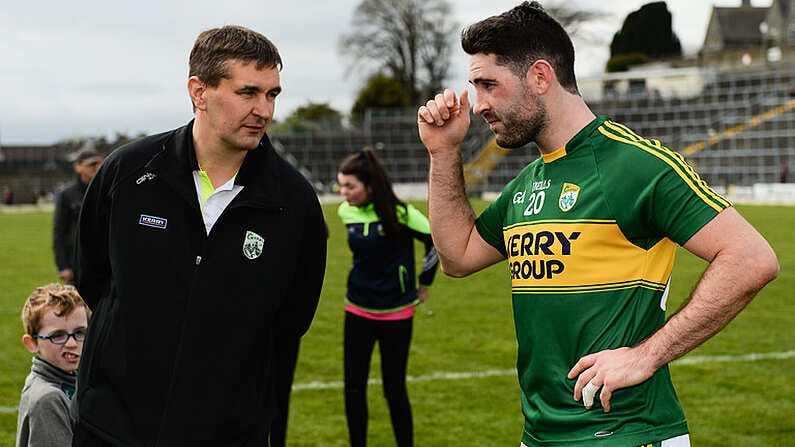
(196, 89)
(30, 343)
(540, 76)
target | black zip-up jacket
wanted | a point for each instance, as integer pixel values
(382, 275)
(180, 344)
(64, 223)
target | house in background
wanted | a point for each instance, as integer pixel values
(749, 37)
(737, 39)
(654, 80)
(779, 29)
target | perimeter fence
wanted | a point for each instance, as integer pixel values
(739, 131)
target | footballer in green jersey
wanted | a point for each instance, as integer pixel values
(590, 232)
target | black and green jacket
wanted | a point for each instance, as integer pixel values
(382, 278)
(186, 325)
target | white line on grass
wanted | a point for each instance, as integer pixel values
(692, 360)
(439, 376)
(753, 357)
(426, 378)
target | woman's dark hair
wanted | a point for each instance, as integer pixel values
(366, 166)
(520, 37)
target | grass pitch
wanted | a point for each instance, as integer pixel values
(462, 388)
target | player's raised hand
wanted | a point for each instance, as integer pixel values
(444, 120)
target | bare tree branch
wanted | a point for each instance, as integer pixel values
(409, 40)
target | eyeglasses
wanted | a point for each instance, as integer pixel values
(61, 337)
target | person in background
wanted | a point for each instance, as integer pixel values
(200, 249)
(8, 195)
(589, 231)
(55, 320)
(67, 211)
(382, 289)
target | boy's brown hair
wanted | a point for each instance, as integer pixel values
(60, 298)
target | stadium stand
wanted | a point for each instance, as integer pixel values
(739, 131)
(34, 173)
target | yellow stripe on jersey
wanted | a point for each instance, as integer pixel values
(562, 222)
(553, 290)
(555, 256)
(675, 160)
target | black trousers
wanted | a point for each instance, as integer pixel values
(82, 437)
(394, 338)
(285, 358)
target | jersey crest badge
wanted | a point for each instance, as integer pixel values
(252, 245)
(568, 196)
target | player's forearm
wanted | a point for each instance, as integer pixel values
(449, 211)
(727, 286)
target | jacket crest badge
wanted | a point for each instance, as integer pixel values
(252, 245)
(568, 196)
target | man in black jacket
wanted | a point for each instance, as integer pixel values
(67, 210)
(200, 252)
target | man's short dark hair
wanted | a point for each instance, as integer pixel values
(215, 47)
(87, 156)
(520, 37)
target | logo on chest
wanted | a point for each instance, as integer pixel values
(252, 245)
(144, 178)
(153, 221)
(568, 196)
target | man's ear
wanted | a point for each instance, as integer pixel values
(30, 343)
(196, 89)
(540, 76)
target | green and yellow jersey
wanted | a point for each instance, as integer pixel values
(590, 233)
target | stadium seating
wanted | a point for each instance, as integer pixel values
(739, 131)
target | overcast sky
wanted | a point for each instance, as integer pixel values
(95, 68)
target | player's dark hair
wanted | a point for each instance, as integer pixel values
(214, 48)
(366, 166)
(520, 37)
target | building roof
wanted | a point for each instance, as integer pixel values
(783, 7)
(739, 27)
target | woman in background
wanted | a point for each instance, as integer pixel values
(382, 290)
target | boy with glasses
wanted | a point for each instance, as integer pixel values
(55, 320)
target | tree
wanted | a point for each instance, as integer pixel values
(311, 117)
(648, 32)
(572, 17)
(380, 91)
(408, 40)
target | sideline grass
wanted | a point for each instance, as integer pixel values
(467, 327)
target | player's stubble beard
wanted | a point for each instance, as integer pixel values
(522, 123)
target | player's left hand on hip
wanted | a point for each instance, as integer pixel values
(609, 371)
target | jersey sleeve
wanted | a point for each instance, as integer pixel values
(659, 195)
(420, 229)
(683, 205)
(417, 221)
(491, 221)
